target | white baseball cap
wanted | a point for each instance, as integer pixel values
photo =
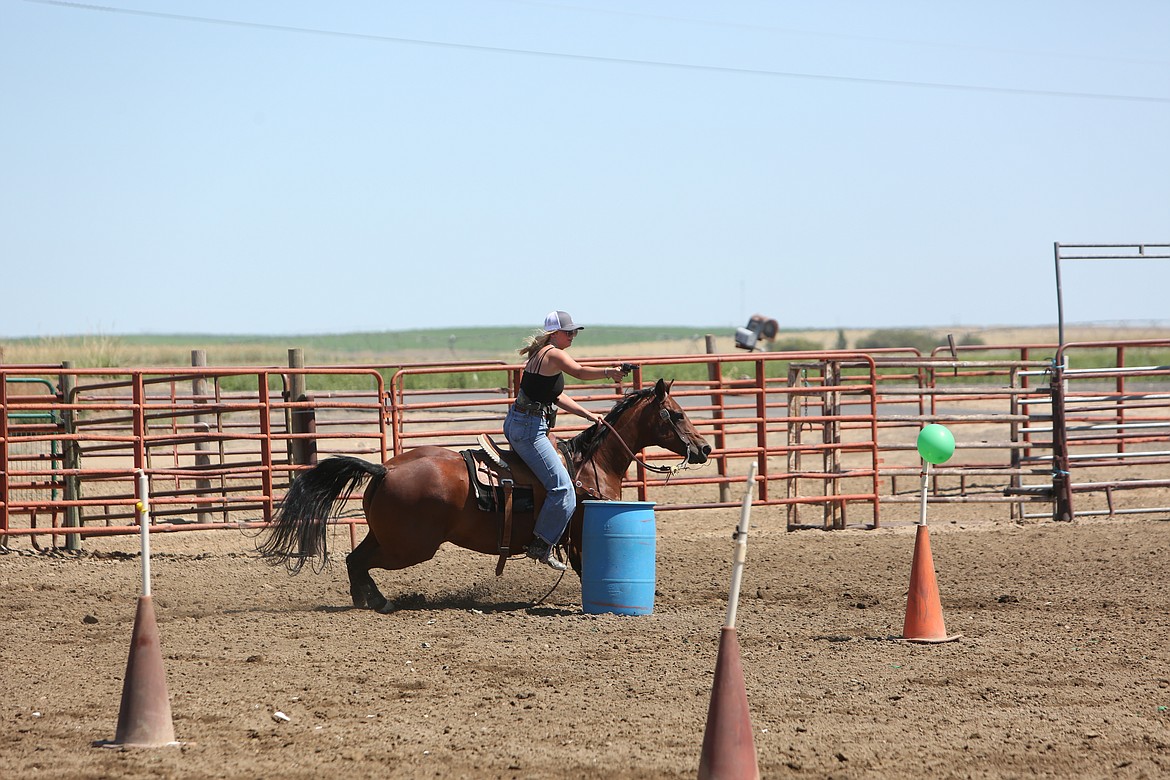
(559, 320)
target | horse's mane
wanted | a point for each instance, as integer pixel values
(584, 444)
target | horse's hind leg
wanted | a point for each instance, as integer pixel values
(362, 588)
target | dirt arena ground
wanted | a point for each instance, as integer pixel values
(1062, 669)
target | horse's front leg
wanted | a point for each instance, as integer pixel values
(362, 588)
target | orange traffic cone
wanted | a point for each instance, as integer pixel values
(924, 620)
(145, 717)
(729, 749)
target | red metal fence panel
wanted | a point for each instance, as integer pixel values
(832, 433)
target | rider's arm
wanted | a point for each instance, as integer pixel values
(563, 361)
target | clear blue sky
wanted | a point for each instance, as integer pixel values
(311, 167)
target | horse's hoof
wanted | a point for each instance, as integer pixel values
(387, 607)
(368, 601)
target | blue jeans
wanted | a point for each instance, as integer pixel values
(528, 435)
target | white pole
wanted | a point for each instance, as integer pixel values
(143, 507)
(922, 504)
(740, 548)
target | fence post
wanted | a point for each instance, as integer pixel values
(793, 464)
(266, 464)
(70, 459)
(1015, 482)
(1061, 478)
(300, 421)
(715, 375)
(202, 426)
(834, 515)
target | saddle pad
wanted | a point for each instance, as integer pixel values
(485, 481)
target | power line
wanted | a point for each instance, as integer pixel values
(833, 35)
(609, 60)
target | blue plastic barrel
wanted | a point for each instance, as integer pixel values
(617, 557)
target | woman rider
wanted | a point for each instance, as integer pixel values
(531, 416)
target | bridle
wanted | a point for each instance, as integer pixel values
(664, 413)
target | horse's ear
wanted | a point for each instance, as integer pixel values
(661, 389)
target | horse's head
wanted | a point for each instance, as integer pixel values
(670, 428)
(649, 417)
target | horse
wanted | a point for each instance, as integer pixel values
(418, 500)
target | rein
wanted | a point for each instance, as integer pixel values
(672, 470)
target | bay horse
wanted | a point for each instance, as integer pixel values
(420, 499)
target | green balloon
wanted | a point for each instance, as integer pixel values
(936, 444)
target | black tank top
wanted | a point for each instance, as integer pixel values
(540, 388)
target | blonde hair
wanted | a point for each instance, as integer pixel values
(536, 342)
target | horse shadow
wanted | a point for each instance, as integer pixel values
(472, 600)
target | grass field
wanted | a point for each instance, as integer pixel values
(437, 345)
(393, 348)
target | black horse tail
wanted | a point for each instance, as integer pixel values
(299, 531)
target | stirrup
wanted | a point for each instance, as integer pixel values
(542, 552)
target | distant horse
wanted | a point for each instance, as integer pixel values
(418, 500)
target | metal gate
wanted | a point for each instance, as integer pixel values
(1112, 429)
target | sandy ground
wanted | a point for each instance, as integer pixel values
(1062, 669)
